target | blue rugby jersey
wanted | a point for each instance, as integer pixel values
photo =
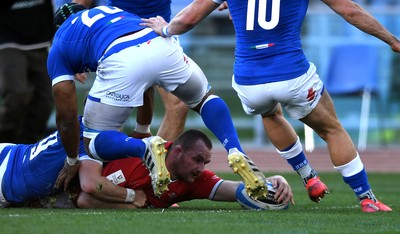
(82, 39)
(32, 170)
(268, 43)
(145, 8)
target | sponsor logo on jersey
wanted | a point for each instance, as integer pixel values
(116, 177)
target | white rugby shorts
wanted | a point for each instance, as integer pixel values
(298, 96)
(123, 77)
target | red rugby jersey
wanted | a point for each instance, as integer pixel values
(132, 173)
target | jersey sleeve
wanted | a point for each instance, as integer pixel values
(83, 157)
(205, 186)
(57, 66)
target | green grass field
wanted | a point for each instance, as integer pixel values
(337, 213)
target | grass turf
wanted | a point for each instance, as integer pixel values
(338, 212)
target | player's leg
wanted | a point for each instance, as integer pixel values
(195, 92)
(106, 109)
(102, 136)
(175, 115)
(343, 153)
(288, 145)
(264, 99)
(116, 90)
(105, 142)
(181, 76)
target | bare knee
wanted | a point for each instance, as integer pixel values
(327, 131)
(174, 107)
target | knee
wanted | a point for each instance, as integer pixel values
(177, 107)
(330, 131)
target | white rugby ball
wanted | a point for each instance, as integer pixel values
(264, 203)
(270, 201)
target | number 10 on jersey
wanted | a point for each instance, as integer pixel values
(262, 13)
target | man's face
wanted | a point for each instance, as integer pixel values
(191, 162)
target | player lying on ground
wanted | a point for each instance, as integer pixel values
(129, 59)
(29, 172)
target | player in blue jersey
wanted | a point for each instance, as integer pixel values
(271, 71)
(129, 59)
(142, 8)
(29, 172)
(174, 120)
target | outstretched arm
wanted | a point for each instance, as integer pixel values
(360, 18)
(227, 190)
(89, 202)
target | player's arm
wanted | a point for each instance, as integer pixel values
(98, 187)
(360, 18)
(87, 201)
(64, 94)
(228, 189)
(185, 20)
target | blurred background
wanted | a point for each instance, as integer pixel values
(376, 91)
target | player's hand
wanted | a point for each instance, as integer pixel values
(224, 6)
(155, 23)
(283, 191)
(396, 46)
(66, 174)
(140, 198)
(81, 77)
(139, 135)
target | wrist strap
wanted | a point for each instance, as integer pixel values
(164, 31)
(72, 161)
(130, 195)
(142, 128)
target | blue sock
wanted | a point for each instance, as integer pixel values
(298, 162)
(358, 182)
(217, 117)
(111, 145)
(295, 156)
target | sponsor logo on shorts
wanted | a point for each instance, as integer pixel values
(117, 96)
(311, 96)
